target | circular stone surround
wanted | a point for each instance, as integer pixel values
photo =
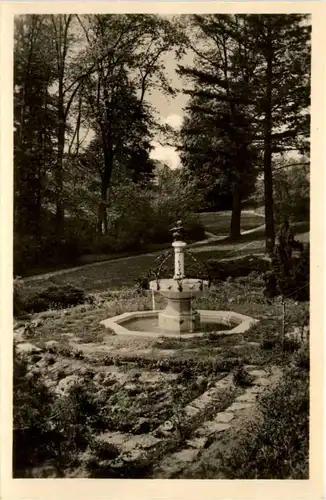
(241, 323)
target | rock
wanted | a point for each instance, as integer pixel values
(258, 373)
(115, 438)
(225, 382)
(51, 344)
(250, 367)
(131, 387)
(143, 426)
(186, 455)
(261, 381)
(198, 442)
(50, 383)
(143, 442)
(247, 397)
(19, 335)
(224, 417)
(27, 348)
(239, 406)
(98, 378)
(203, 401)
(66, 383)
(132, 455)
(190, 411)
(82, 371)
(212, 427)
(256, 389)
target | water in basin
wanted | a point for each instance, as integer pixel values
(150, 324)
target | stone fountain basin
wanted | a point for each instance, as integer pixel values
(123, 324)
(169, 288)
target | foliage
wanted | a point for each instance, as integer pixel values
(220, 271)
(217, 146)
(254, 121)
(241, 377)
(49, 428)
(277, 447)
(35, 122)
(76, 78)
(289, 275)
(138, 217)
(290, 189)
(52, 296)
(292, 193)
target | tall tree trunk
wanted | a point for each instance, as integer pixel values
(59, 215)
(102, 222)
(235, 227)
(61, 25)
(268, 175)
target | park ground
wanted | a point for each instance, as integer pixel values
(169, 408)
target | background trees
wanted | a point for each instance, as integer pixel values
(84, 124)
(81, 115)
(249, 101)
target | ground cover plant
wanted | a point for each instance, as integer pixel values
(281, 436)
(135, 391)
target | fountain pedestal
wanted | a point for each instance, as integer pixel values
(178, 316)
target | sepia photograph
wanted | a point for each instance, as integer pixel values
(161, 246)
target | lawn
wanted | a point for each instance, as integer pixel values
(125, 272)
(218, 223)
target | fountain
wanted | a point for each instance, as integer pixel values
(179, 318)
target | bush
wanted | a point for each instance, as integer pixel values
(277, 447)
(292, 193)
(139, 218)
(241, 377)
(18, 297)
(302, 357)
(46, 251)
(53, 296)
(290, 279)
(48, 427)
(220, 271)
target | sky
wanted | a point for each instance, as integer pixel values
(170, 109)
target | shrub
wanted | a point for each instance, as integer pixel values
(139, 218)
(18, 297)
(46, 251)
(103, 450)
(292, 192)
(220, 271)
(290, 278)
(241, 377)
(58, 296)
(50, 428)
(277, 447)
(302, 357)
